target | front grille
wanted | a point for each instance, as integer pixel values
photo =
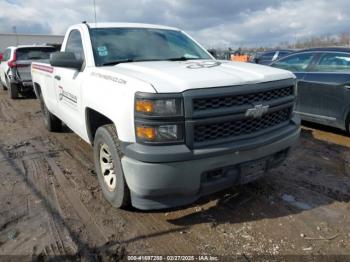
(217, 102)
(240, 127)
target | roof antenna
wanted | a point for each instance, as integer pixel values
(95, 11)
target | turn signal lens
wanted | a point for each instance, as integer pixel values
(146, 133)
(144, 106)
(159, 133)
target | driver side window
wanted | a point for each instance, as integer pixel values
(294, 63)
(334, 62)
(75, 45)
(267, 56)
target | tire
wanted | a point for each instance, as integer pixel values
(13, 91)
(107, 158)
(52, 122)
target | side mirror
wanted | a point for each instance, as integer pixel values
(1, 57)
(65, 59)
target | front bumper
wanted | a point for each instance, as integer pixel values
(166, 183)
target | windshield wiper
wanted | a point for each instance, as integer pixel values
(127, 60)
(182, 58)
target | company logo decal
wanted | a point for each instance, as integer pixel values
(203, 64)
(257, 111)
(109, 78)
(65, 95)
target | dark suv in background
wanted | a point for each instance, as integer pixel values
(323, 84)
(15, 66)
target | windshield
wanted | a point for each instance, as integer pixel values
(34, 53)
(111, 45)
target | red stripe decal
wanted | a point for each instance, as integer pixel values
(47, 69)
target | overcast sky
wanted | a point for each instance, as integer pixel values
(213, 22)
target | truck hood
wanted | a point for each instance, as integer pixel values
(178, 76)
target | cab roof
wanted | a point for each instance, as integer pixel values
(325, 49)
(129, 25)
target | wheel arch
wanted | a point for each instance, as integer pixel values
(94, 120)
(37, 89)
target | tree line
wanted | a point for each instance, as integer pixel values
(341, 39)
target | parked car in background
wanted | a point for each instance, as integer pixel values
(323, 84)
(15, 67)
(268, 57)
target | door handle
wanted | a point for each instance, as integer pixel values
(347, 86)
(57, 77)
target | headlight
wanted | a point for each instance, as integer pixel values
(159, 118)
(159, 133)
(157, 105)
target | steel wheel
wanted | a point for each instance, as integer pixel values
(107, 168)
(107, 159)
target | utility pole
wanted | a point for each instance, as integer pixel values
(95, 11)
(14, 29)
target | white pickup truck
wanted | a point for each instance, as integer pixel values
(168, 123)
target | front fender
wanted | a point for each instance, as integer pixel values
(112, 95)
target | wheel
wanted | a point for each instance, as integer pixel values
(52, 122)
(107, 157)
(13, 91)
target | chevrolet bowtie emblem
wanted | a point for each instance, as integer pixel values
(257, 111)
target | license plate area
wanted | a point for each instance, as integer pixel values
(253, 170)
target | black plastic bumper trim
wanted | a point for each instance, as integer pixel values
(176, 153)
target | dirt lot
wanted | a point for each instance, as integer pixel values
(51, 203)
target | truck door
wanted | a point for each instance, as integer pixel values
(68, 83)
(329, 88)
